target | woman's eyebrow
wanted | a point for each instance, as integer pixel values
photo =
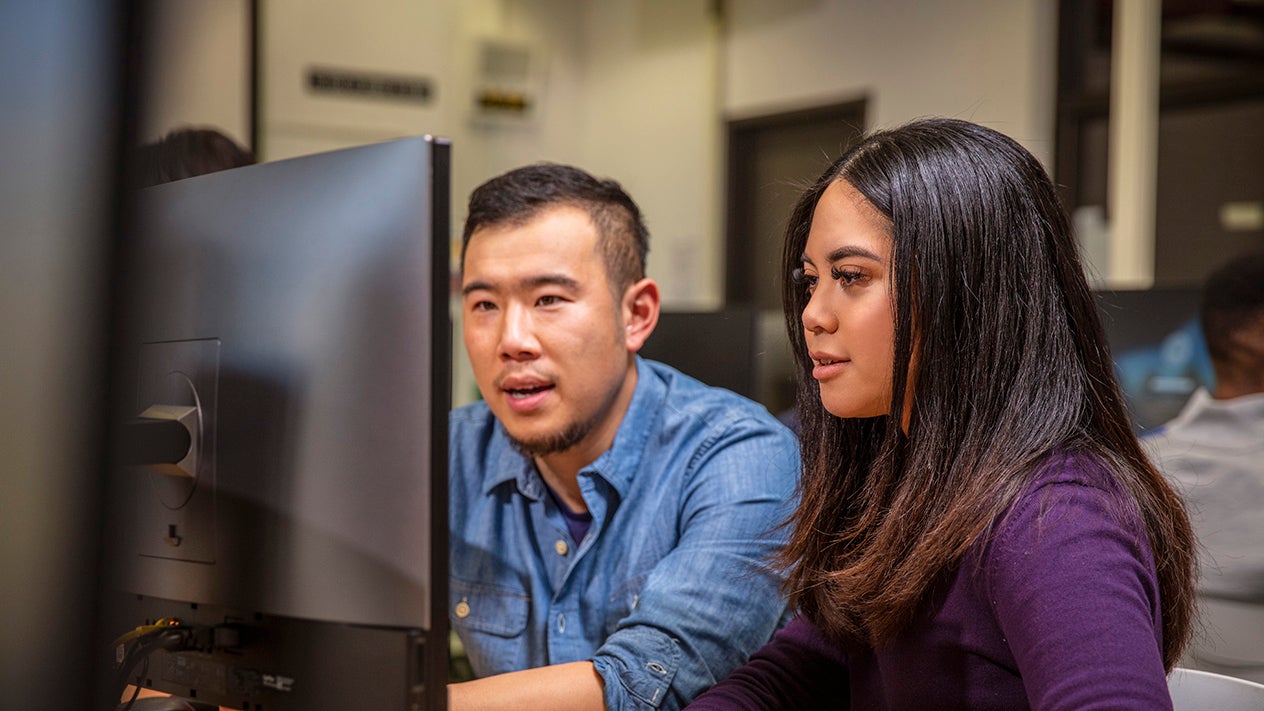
(852, 251)
(843, 253)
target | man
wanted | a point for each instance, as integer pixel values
(612, 519)
(1214, 449)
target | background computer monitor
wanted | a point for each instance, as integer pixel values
(1157, 343)
(292, 317)
(716, 347)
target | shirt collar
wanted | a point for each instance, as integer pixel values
(616, 465)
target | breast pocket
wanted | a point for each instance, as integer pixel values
(491, 621)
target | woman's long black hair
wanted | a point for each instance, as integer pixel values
(991, 302)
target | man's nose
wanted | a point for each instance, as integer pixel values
(517, 335)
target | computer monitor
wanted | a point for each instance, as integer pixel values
(1157, 343)
(716, 347)
(281, 491)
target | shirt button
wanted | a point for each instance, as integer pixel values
(462, 609)
(561, 547)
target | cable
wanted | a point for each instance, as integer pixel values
(140, 644)
(161, 624)
(144, 671)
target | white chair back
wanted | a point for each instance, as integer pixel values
(1196, 690)
(1229, 639)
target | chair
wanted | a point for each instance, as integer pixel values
(1231, 639)
(1197, 690)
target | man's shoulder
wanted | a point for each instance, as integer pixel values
(686, 397)
(710, 430)
(475, 414)
(471, 426)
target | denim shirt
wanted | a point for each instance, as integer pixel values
(670, 589)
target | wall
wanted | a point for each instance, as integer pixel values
(639, 90)
(625, 89)
(989, 61)
(202, 76)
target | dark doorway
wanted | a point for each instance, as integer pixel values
(771, 159)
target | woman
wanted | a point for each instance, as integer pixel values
(978, 526)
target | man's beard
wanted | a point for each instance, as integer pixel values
(573, 434)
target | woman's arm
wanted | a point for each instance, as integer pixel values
(798, 669)
(1075, 592)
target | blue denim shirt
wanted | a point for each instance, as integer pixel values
(671, 588)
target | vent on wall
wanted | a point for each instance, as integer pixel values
(507, 82)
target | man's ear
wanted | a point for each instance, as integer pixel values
(640, 313)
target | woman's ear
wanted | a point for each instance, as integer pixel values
(640, 312)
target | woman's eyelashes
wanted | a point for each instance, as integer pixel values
(802, 278)
(846, 277)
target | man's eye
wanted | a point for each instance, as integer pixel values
(546, 301)
(483, 306)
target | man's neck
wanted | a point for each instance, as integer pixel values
(560, 470)
(564, 483)
(1228, 390)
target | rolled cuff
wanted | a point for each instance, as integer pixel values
(637, 666)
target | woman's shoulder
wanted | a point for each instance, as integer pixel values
(1072, 467)
(1075, 492)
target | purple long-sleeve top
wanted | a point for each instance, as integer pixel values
(1059, 611)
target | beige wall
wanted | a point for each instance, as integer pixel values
(201, 75)
(639, 90)
(990, 61)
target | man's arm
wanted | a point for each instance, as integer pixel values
(562, 687)
(714, 599)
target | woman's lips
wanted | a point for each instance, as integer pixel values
(828, 366)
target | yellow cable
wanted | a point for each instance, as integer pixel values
(143, 630)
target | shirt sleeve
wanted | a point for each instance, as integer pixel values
(1075, 592)
(713, 600)
(799, 669)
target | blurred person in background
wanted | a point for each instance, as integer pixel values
(1213, 451)
(188, 152)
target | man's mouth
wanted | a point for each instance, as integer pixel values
(521, 393)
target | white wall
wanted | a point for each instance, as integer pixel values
(624, 89)
(396, 37)
(651, 121)
(639, 90)
(201, 76)
(989, 61)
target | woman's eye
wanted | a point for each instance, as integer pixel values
(799, 277)
(846, 277)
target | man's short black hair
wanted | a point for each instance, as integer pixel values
(518, 196)
(1233, 318)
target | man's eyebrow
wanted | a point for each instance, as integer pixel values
(476, 286)
(532, 282)
(843, 253)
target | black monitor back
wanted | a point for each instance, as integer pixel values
(1159, 352)
(294, 316)
(717, 347)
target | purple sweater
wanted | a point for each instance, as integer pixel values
(1061, 611)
